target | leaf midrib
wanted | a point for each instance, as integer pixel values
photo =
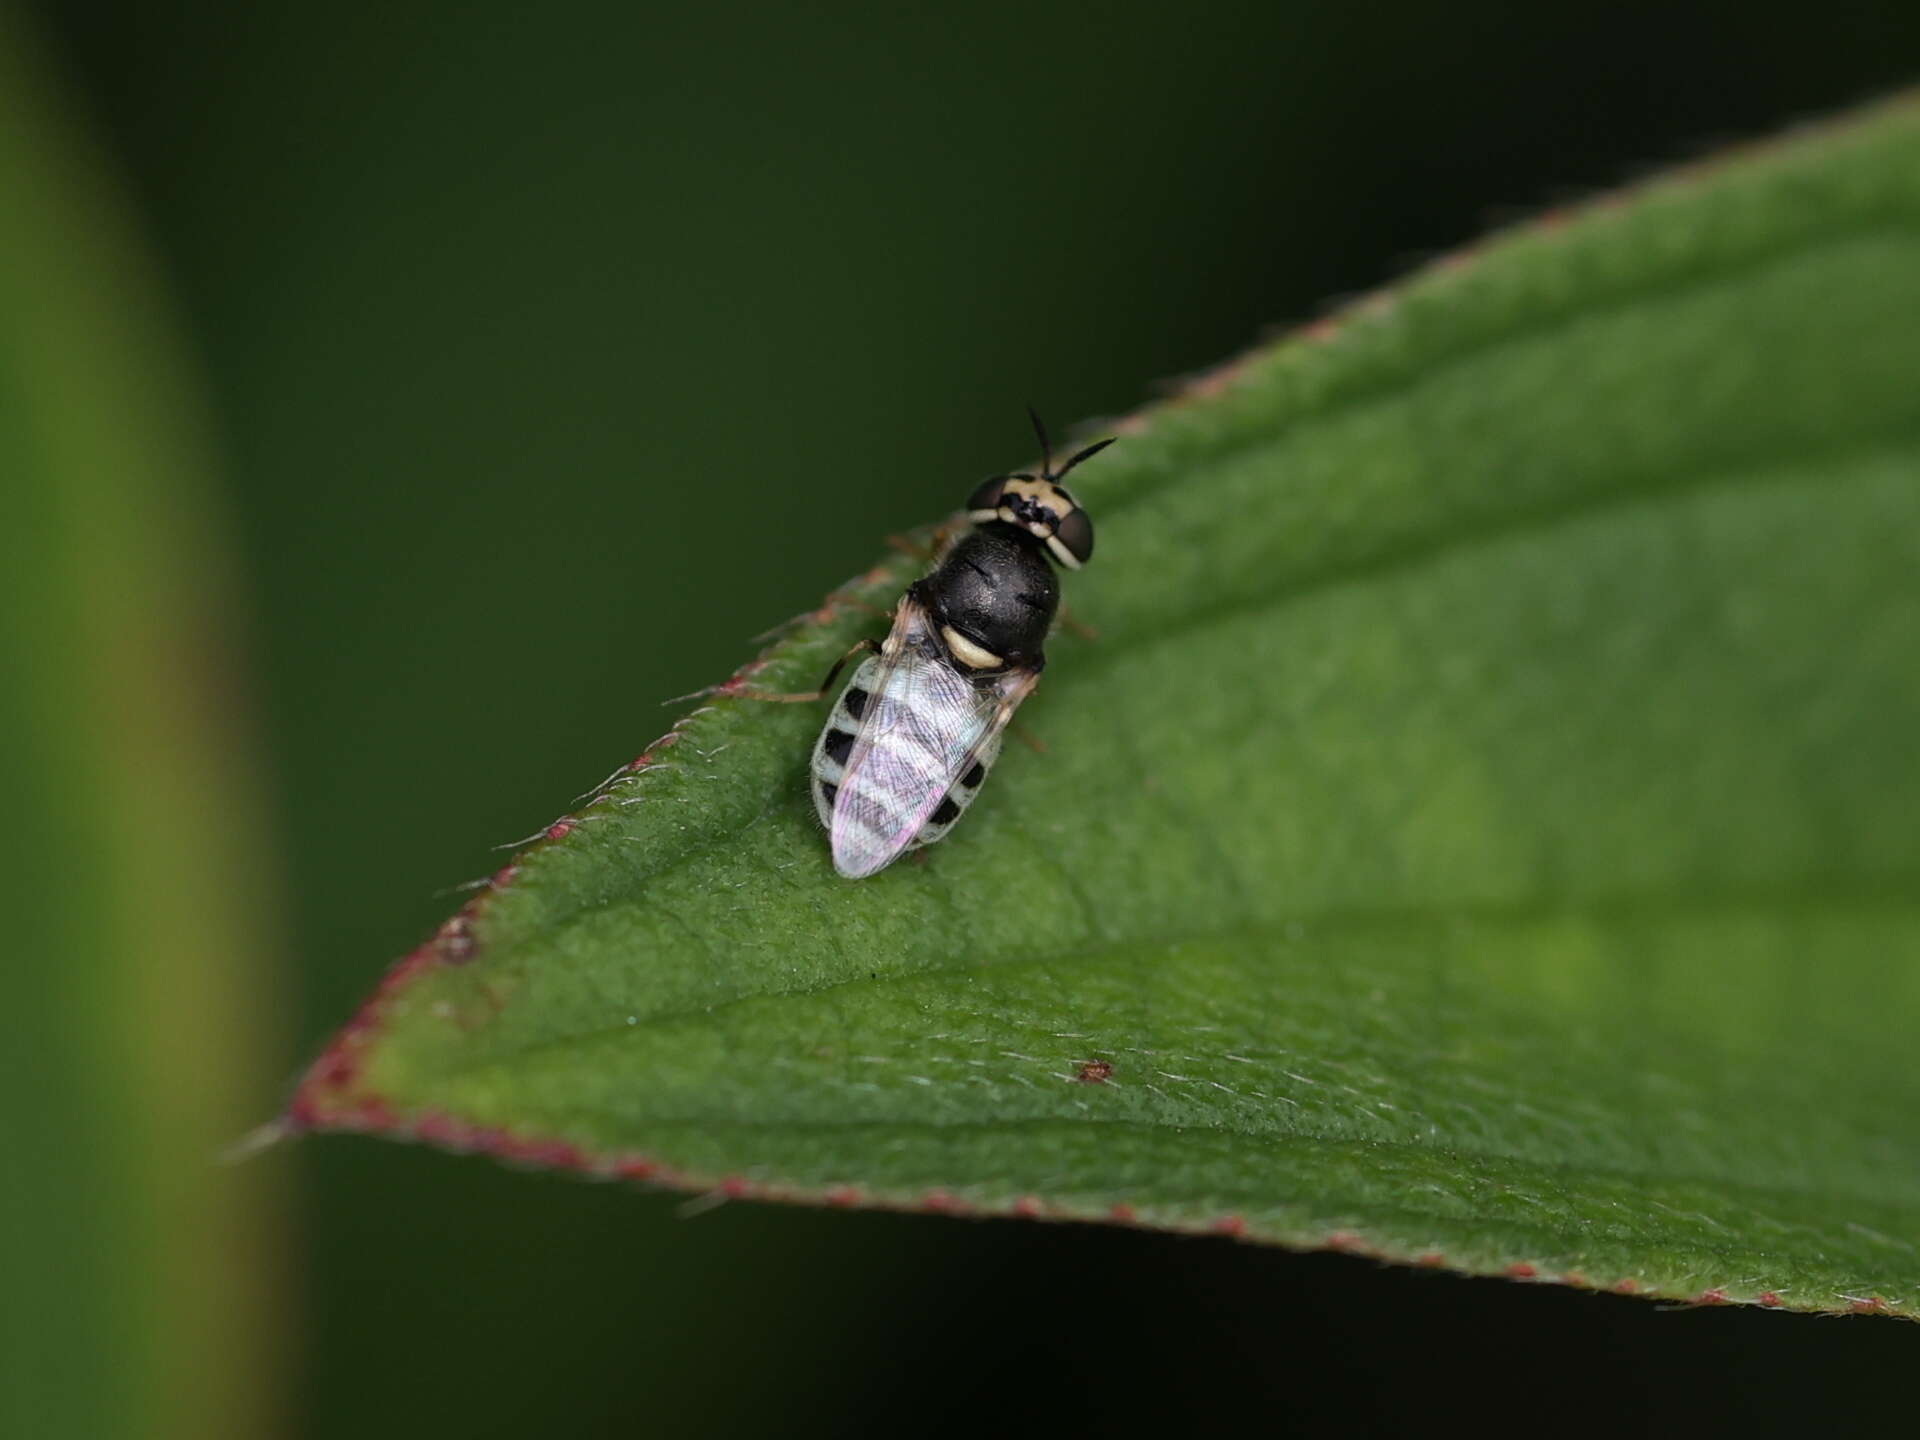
(1894, 893)
(1768, 467)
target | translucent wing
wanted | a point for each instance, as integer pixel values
(926, 722)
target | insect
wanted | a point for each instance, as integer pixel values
(909, 741)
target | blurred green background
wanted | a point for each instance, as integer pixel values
(548, 355)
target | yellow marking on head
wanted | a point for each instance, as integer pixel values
(1045, 492)
(968, 653)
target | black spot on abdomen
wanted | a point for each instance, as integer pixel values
(974, 776)
(856, 701)
(947, 812)
(827, 791)
(838, 745)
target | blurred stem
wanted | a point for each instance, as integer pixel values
(142, 1273)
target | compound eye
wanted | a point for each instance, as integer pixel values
(1074, 534)
(987, 497)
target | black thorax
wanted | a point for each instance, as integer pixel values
(996, 588)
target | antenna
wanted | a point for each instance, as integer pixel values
(1087, 454)
(1047, 472)
(1046, 450)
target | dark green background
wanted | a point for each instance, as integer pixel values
(557, 351)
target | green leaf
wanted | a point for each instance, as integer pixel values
(138, 1271)
(1482, 832)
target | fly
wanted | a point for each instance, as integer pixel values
(912, 737)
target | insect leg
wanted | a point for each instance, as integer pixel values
(1070, 621)
(803, 697)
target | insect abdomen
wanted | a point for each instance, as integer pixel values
(948, 812)
(830, 752)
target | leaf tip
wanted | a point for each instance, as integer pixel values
(329, 1096)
